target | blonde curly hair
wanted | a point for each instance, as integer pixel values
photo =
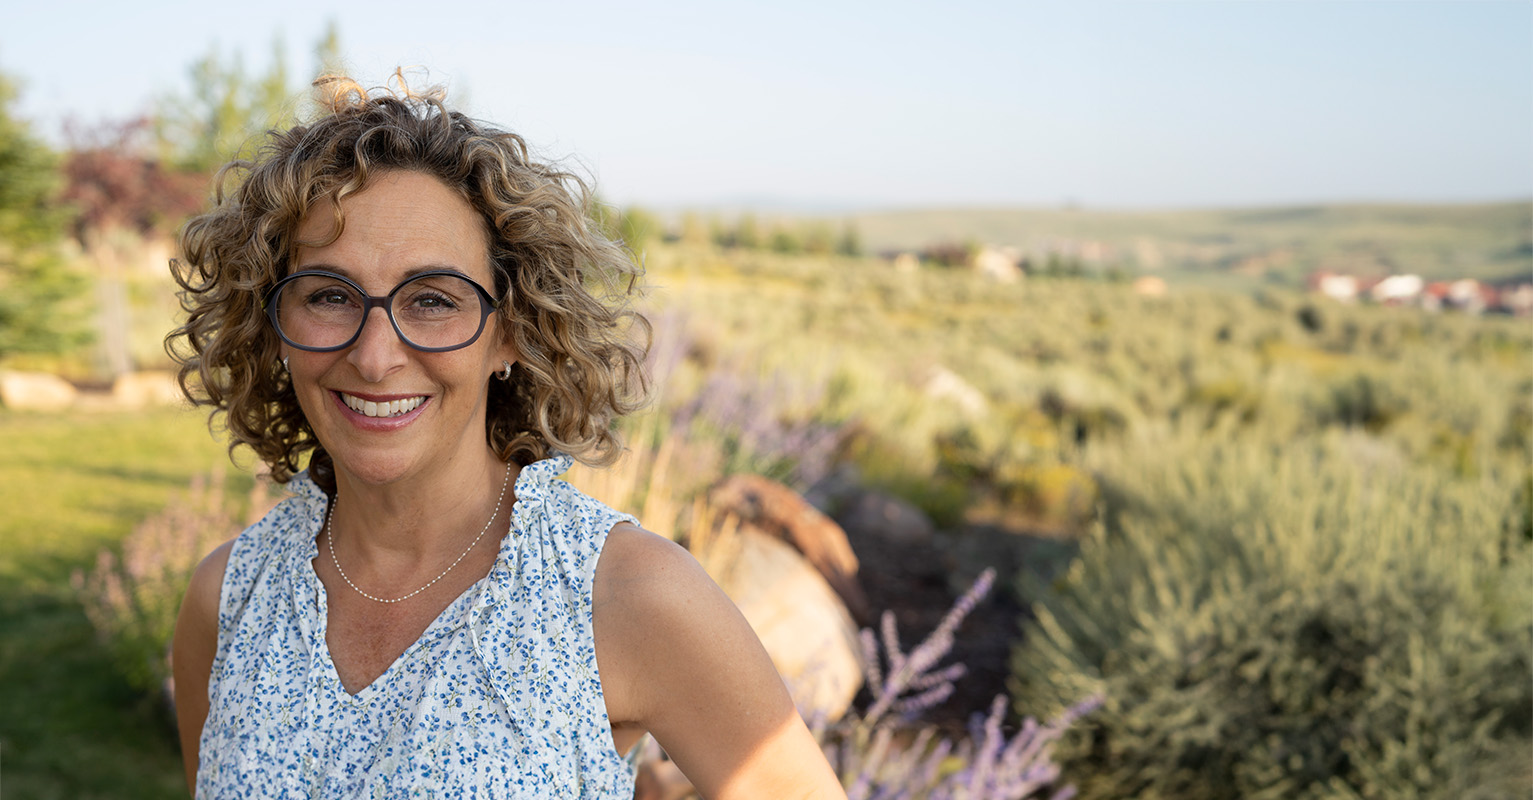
(565, 287)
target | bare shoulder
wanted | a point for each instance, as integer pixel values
(679, 660)
(193, 649)
(639, 571)
(203, 592)
(649, 593)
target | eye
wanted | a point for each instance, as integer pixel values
(330, 297)
(429, 300)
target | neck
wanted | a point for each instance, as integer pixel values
(400, 524)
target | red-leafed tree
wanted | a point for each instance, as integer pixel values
(111, 180)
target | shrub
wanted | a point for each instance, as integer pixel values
(133, 599)
(1295, 621)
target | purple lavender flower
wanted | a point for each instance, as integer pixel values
(881, 757)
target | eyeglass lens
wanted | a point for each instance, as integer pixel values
(429, 311)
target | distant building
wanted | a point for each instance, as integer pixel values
(1470, 296)
(1343, 288)
(1150, 286)
(1517, 299)
(998, 263)
(1397, 290)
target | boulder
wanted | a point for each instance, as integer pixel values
(36, 391)
(770, 508)
(802, 623)
(144, 389)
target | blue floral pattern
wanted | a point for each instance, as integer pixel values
(499, 698)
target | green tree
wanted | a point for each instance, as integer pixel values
(638, 228)
(786, 241)
(817, 239)
(327, 52)
(226, 108)
(748, 233)
(35, 281)
(850, 243)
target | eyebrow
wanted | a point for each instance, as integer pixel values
(408, 274)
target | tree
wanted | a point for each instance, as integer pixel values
(35, 282)
(226, 108)
(747, 232)
(850, 243)
(327, 52)
(111, 180)
(119, 194)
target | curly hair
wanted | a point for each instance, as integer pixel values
(565, 287)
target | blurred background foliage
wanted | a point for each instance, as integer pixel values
(1293, 536)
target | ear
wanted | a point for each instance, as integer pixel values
(505, 353)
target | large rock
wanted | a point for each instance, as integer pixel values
(36, 391)
(802, 623)
(775, 510)
(144, 389)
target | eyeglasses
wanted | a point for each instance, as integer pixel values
(432, 312)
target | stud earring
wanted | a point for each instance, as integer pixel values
(505, 374)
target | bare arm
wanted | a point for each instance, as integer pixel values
(679, 660)
(192, 650)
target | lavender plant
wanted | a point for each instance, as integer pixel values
(754, 417)
(132, 599)
(883, 754)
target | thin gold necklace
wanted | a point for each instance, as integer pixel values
(330, 540)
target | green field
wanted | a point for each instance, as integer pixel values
(72, 484)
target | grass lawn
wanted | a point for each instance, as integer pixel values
(71, 484)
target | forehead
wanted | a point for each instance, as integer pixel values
(399, 224)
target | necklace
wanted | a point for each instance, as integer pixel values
(330, 540)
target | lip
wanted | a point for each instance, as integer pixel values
(379, 423)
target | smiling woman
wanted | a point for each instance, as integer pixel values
(399, 293)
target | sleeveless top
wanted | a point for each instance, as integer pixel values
(499, 698)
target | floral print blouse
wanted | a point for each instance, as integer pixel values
(499, 698)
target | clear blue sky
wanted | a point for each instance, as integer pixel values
(1108, 104)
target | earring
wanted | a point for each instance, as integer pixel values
(284, 364)
(505, 374)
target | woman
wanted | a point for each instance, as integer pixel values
(402, 295)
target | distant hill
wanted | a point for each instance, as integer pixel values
(1487, 241)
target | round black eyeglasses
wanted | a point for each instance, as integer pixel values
(432, 312)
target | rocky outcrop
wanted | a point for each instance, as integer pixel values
(36, 391)
(144, 389)
(775, 510)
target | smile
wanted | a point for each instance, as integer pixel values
(390, 408)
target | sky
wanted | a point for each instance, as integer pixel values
(833, 105)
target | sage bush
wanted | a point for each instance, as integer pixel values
(1306, 619)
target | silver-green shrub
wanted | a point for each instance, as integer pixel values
(1321, 617)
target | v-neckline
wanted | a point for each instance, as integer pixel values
(439, 626)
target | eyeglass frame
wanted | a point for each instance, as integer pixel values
(385, 302)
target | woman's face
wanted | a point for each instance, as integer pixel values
(401, 224)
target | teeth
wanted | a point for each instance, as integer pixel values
(390, 408)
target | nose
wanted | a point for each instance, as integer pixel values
(378, 350)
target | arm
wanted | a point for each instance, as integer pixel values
(679, 660)
(192, 650)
